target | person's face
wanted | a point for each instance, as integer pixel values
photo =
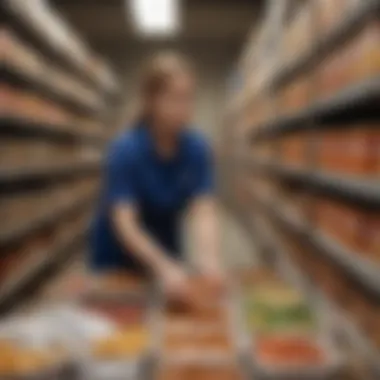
(173, 107)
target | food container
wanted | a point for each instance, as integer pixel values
(294, 149)
(279, 358)
(31, 348)
(228, 370)
(118, 285)
(348, 151)
(296, 95)
(341, 223)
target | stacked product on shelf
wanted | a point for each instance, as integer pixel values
(323, 133)
(283, 331)
(53, 99)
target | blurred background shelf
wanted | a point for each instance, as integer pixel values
(346, 29)
(20, 126)
(17, 286)
(357, 103)
(361, 191)
(12, 236)
(21, 176)
(42, 26)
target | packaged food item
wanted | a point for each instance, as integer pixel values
(296, 95)
(340, 222)
(348, 151)
(289, 351)
(123, 344)
(370, 237)
(119, 283)
(278, 309)
(199, 371)
(357, 60)
(294, 149)
(123, 314)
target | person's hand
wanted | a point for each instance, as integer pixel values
(216, 279)
(174, 281)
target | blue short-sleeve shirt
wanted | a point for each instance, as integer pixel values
(159, 188)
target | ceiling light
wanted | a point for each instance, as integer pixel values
(155, 17)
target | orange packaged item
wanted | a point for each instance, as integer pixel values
(370, 236)
(296, 95)
(285, 351)
(123, 344)
(118, 282)
(341, 223)
(348, 151)
(199, 371)
(294, 149)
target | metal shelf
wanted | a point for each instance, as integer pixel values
(330, 315)
(350, 26)
(363, 271)
(16, 125)
(65, 48)
(359, 191)
(21, 176)
(359, 102)
(9, 237)
(41, 85)
(26, 276)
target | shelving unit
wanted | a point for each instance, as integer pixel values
(280, 121)
(55, 92)
(38, 22)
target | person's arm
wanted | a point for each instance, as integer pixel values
(121, 196)
(204, 221)
(203, 215)
(145, 248)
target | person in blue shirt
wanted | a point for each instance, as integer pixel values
(156, 172)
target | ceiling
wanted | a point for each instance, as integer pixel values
(209, 26)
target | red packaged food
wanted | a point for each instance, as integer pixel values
(296, 351)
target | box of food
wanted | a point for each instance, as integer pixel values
(296, 95)
(350, 151)
(294, 357)
(272, 308)
(295, 148)
(228, 370)
(31, 348)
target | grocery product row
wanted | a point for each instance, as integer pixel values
(40, 23)
(343, 305)
(21, 178)
(26, 259)
(24, 107)
(38, 209)
(330, 84)
(23, 62)
(118, 326)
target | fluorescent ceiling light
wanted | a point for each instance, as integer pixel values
(155, 17)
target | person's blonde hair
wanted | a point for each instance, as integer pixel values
(154, 78)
